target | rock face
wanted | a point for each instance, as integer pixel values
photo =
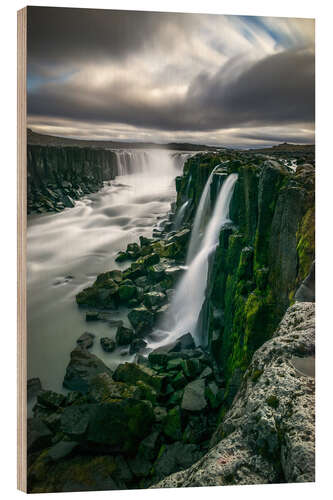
(59, 175)
(268, 434)
(262, 256)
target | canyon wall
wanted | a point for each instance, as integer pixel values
(58, 175)
(263, 254)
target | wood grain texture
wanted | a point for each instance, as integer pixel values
(21, 249)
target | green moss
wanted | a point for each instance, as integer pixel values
(306, 243)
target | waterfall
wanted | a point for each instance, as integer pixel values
(200, 219)
(187, 302)
(151, 162)
(180, 216)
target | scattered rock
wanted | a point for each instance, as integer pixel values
(124, 336)
(108, 345)
(82, 367)
(194, 396)
(86, 340)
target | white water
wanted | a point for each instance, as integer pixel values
(201, 215)
(180, 216)
(183, 314)
(67, 250)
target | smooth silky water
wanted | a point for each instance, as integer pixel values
(67, 250)
(183, 313)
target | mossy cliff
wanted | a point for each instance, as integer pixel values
(263, 254)
(58, 175)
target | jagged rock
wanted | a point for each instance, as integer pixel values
(117, 426)
(108, 345)
(82, 367)
(104, 389)
(194, 396)
(141, 319)
(34, 385)
(131, 373)
(86, 340)
(152, 299)
(124, 336)
(50, 399)
(270, 420)
(156, 273)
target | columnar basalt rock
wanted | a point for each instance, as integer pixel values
(56, 176)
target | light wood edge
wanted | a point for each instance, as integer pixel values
(21, 249)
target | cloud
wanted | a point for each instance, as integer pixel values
(169, 73)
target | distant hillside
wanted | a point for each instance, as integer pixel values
(285, 146)
(50, 140)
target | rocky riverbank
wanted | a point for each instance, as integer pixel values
(56, 176)
(175, 406)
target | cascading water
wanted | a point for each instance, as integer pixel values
(187, 302)
(180, 216)
(200, 218)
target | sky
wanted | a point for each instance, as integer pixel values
(237, 81)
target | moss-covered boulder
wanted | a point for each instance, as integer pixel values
(82, 368)
(124, 336)
(117, 426)
(131, 373)
(172, 427)
(141, 319)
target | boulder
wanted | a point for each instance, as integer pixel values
(51, 399)
(307, 290)
(156, 273)
(194, 396)
(152, 299)
(141, 319)
(103, 389)
(86, 340)
(117, 426)
(127, 291)
(82, 367)
(108, 344)
(121, 257)
(131, 373)
(124, 336)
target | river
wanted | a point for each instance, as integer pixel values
(67, 250)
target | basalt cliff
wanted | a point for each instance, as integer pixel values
(236, 407)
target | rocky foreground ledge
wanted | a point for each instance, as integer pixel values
(268, 434)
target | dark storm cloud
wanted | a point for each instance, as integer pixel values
(69, 35)
(278, 89)
(169, 73)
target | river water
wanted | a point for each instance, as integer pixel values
(67, 250)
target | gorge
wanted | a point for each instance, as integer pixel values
(197, 317)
